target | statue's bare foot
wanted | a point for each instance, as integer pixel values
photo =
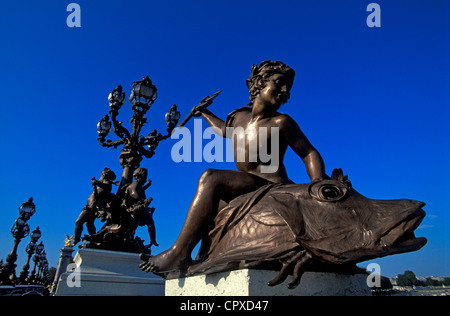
(164, 262)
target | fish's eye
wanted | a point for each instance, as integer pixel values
(328, 191)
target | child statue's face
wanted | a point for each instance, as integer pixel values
(276, 90)
(140, 178)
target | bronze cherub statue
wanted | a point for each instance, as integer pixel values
(256, 217)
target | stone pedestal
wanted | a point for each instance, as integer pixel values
(248, 282)
(65, 259)
(109, 273)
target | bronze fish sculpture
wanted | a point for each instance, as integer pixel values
(290, 226)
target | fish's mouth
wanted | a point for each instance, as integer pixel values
(401, 237)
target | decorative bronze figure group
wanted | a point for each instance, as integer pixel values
(128, 208)
(256, 217)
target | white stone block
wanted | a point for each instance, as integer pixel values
(109, 273)
(248, 282)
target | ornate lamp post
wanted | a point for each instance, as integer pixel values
(142, 96)
(19, 230)
(122, 218)
(31, 247)
(36, 259)
(42, 267)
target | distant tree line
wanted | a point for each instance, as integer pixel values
(410, 279)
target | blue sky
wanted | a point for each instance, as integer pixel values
(373, 101)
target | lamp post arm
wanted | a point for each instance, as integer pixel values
(108, 143)
(155, 139)
(118, 129)
(150, 139)
(146, 153)
(169, 133)
(121, 131)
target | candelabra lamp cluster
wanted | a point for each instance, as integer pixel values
(143, 95)
(123, 211)
(20, 230)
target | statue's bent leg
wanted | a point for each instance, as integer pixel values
(84, 217)
(213, 186)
